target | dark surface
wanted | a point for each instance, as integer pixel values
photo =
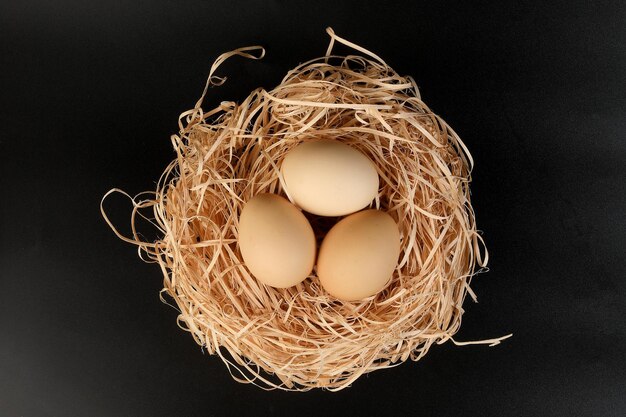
(91, 90)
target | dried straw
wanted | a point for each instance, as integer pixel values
(301, 338)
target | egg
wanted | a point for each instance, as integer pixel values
(276, 241)
(329, 178)
(358, 255)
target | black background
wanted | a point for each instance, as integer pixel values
(91, 91)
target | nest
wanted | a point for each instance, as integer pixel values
(301, 338)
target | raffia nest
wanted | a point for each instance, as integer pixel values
(302, 338)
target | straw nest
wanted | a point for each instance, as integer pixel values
(301, 338)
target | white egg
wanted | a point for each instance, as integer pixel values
(329, 178)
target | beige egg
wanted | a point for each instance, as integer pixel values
(329, 178)
(276, 241)
(358, 255)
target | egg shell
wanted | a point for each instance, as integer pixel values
(329, 178)
(276, 241)
(358, 255)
